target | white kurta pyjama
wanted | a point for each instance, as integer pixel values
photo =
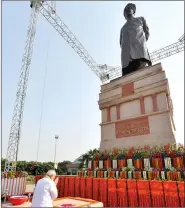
(44, 194)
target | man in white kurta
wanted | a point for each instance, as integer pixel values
(45, 191)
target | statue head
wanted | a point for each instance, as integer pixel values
(129, 10)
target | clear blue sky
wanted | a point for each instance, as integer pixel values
(72, 89)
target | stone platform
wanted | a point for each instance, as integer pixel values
(137, 110)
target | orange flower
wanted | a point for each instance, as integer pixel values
(131, 152)
(146, 147)
(167, 148)
(115, 152)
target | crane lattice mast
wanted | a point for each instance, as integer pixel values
(104, 72)
(15, 131)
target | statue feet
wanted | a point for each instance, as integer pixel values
(134, 66)
(142, 65)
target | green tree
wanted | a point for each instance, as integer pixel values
(62, 169)
(38, 168)
(86, 157)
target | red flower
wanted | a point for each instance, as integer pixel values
(167, 147)
(130, 152)
(115, 152)
(146, 147)
(96, 157)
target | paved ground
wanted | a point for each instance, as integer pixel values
(30, 187)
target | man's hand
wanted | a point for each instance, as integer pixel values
(56, 180)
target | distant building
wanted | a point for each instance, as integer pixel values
(72, 168)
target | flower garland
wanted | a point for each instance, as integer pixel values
(131, 173)
(169, 150)
(165, 162)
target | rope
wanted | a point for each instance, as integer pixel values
(42, 102)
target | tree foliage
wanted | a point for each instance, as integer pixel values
(85, 157)
(38, 168)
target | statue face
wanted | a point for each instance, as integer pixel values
(128, 12)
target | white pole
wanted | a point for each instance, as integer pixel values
(56, 138)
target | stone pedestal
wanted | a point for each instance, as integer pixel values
(137, 110)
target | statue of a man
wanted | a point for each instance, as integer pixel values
(133, 37)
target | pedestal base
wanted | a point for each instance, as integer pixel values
(137, 110)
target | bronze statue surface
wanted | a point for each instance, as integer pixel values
(133, 37)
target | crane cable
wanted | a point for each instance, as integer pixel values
(42, 101)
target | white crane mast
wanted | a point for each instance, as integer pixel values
(104, 72)
(15, 131)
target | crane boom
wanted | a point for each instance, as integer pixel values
(69, 37)
(155, 56)
(101, 70)
(167, 51)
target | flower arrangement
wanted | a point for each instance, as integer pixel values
(137, 156)
(121, 156)
(96, 156)
(131, 152)
(89, 169)
(107, 154)
(169, 150)
(150, 159)
(115, 153)
(103, 155)
(129, 169)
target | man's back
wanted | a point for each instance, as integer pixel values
(45, 192)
